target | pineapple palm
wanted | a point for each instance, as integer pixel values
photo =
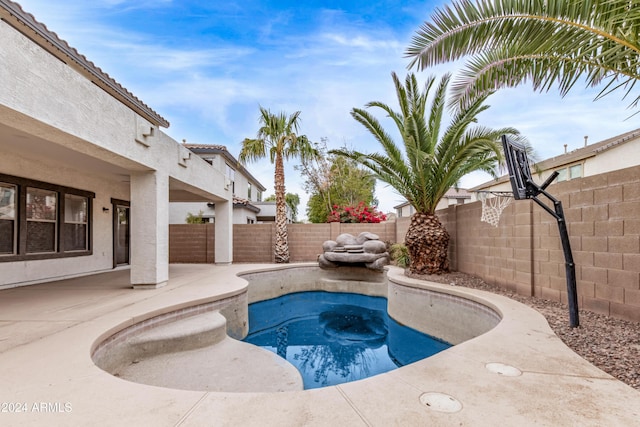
(431, 160)
(546, 42)
(278, 136)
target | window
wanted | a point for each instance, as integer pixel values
(42, 220)
(76, 236)
(259, 196)
(575, 171)
(208, 159)
(249, 191)
(572, 172)
(39, 220)
(562, 175)
(7, 219)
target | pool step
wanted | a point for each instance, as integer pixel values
(189, 333)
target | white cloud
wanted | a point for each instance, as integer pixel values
(209, 86)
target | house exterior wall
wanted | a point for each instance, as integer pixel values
(239, 188)
(405, 211)
(178, 212)
(620, 157)
(623, 152)
(26, 272)
(268, 210)
(243, 216)
(97, 143)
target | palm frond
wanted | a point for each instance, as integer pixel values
(427, 164)
(545, 42)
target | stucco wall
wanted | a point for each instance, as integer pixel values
(50, 109)
(622, 156)
(25, 272)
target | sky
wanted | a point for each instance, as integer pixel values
(208, 66)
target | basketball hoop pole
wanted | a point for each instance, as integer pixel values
(524, 188)
(570, 268)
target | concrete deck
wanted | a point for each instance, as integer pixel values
(517, 374)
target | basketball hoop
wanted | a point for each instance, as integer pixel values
(493, 203)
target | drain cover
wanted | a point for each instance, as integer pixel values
(440, 402)
(502, 369)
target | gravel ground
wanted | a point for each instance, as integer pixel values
(612, 345)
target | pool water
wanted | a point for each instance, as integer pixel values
(334, 338)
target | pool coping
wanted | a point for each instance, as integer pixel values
(472, 383)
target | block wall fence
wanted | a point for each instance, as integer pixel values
(523, 253)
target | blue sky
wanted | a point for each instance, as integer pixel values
(208, 66)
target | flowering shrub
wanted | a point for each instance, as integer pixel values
(357, 214)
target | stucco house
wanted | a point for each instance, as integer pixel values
(268, 212)
(86, 173)
(452, 197)
(619, 152)
(246, 190)
(248, 206)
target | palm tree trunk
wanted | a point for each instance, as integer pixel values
(282, 243)
(428, 243)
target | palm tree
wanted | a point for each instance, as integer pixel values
(431, 161)
(278, 135)
(545, 42)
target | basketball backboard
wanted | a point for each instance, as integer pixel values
(518, 166)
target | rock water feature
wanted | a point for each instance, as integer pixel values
(366, 250)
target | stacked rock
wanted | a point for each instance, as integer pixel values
(366, 249)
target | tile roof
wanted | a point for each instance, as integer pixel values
(205, 147)
(240, 202)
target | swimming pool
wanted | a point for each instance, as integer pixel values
(194, 344)
(333, 338)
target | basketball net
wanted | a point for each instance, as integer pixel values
(493, 203)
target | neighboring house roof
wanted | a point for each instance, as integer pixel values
(451, 193)
(244, 203)
(588, 150)
(460, 193)
(203, 149)
(573, 156)
(13, 14)
(401, 205)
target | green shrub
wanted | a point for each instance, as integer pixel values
(194, 219)
(400, 255)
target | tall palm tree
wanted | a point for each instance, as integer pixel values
(431, 160)
(278, 134)
(546, 42)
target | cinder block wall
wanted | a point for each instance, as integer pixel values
(305, 240)
(192, 243)
(253, 243)
(523, 253)
(603, 218)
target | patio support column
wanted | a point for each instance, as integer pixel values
(149, 230)
(224, 232)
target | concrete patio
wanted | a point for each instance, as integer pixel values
(519, 373)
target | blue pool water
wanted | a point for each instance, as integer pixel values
(333, 338)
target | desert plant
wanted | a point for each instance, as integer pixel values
(400, 255)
